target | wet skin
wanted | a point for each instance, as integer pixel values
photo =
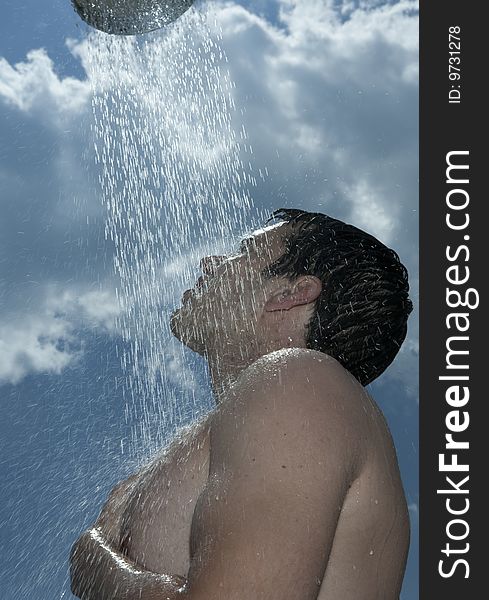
(290, 488)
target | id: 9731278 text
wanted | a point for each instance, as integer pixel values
(454, 64)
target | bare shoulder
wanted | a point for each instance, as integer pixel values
(295, 366)
(301, 401)
(302, 380)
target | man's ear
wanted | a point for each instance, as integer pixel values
(303, 290)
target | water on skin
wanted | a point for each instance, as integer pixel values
(171, 155)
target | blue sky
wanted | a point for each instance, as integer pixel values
(328, 95)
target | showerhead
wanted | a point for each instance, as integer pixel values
(130, 17)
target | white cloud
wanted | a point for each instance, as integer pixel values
(91, 308)
(369, 211)
(48, 338)
(326, 100)
(38, 344)
(34, 87)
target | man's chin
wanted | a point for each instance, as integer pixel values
(186, 332)
(174, 323)
(177, 326)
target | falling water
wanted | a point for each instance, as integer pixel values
(169, 148)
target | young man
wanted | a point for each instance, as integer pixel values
(289, 489)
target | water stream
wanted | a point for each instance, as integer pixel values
(173, 174)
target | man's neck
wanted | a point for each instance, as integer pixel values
(224, 370)
(226, 364)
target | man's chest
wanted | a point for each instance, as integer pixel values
(158, 514)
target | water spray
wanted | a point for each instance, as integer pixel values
(130, 17)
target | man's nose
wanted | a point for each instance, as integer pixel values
(209, 264)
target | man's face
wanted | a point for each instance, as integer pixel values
(227, 301)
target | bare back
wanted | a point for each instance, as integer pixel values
(372, 534)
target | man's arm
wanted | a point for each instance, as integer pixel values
(109, 521)
(99, 571)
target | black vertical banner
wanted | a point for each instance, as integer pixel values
(453, 319)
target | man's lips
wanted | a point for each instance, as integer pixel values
(199, 284)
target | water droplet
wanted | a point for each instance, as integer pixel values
(168, 145)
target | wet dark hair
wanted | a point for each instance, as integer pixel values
(360, 317)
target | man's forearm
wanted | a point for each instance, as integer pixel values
(98, 572)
